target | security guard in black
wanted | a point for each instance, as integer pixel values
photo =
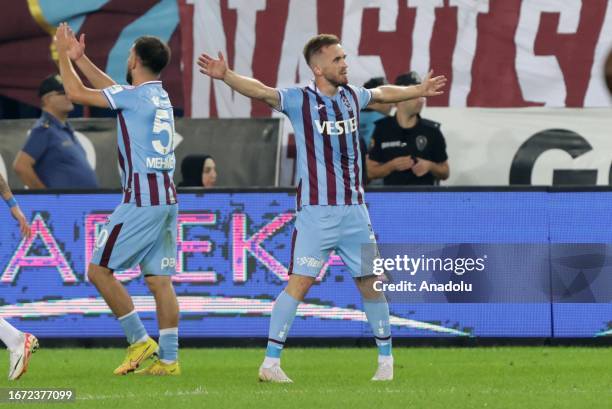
(407, 149)
(423, 141)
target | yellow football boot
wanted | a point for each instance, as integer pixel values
(158, 368)
(136, 354)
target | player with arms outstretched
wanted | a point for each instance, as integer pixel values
(142, 229)
(331, 209)
(21, 345)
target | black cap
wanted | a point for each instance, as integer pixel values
(409, 78)
(51, 83)
(374, 82)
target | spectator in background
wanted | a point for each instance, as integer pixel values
(407, 149)
(198, 171)
(373, 112)
(367, 117)
(52, 156)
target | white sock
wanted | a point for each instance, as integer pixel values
(167, 362)
(385, 359)
(270, 362)
(10, 335)
(143, 339)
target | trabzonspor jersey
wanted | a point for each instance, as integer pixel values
(145, 139)
(327, 142)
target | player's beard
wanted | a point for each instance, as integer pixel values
(338, 80)
(128, 76)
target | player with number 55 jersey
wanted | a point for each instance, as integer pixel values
(145, 129)
(142, 229)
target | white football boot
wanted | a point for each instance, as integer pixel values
(20, 358)
(273, 374)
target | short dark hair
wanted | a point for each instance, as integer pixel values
(374, 82)
(153, 52)
(408, 78)
(316, 43)
(52, 83)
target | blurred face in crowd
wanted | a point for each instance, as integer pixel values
(209, 173)
(57, 102)
(330, 63)
(411, 107)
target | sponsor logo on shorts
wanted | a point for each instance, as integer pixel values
(168, 262)
(309, 262)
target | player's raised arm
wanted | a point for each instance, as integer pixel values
(393, 93)
(73, 85)
(249, 87)
(98, 78)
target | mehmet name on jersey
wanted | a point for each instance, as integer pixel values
(161, 163)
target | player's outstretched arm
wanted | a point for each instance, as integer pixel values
(73, 85)
(393, 93)
(249, 87)
(7, 195)
(98, 78)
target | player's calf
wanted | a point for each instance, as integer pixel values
(376, 309)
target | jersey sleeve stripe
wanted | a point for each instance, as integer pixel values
(110, 99)
(370, 98)
(281, 101)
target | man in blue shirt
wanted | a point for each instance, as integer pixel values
(372, 112)
(52, 156)
(368, 116)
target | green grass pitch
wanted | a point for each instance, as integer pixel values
(509, 377)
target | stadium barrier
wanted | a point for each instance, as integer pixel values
(547, 266)
(253, 143)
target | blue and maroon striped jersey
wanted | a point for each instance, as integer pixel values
(145, 139)
(327, 141)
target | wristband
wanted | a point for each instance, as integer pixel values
(11, 202)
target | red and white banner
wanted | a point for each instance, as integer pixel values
(496, 54)
(509, 53)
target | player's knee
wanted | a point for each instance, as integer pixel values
(96, 273)
(298, 286)
(158, 284)
(368, 289)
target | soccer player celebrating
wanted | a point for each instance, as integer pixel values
(21, 345)
(330, 198)
(142, 229)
